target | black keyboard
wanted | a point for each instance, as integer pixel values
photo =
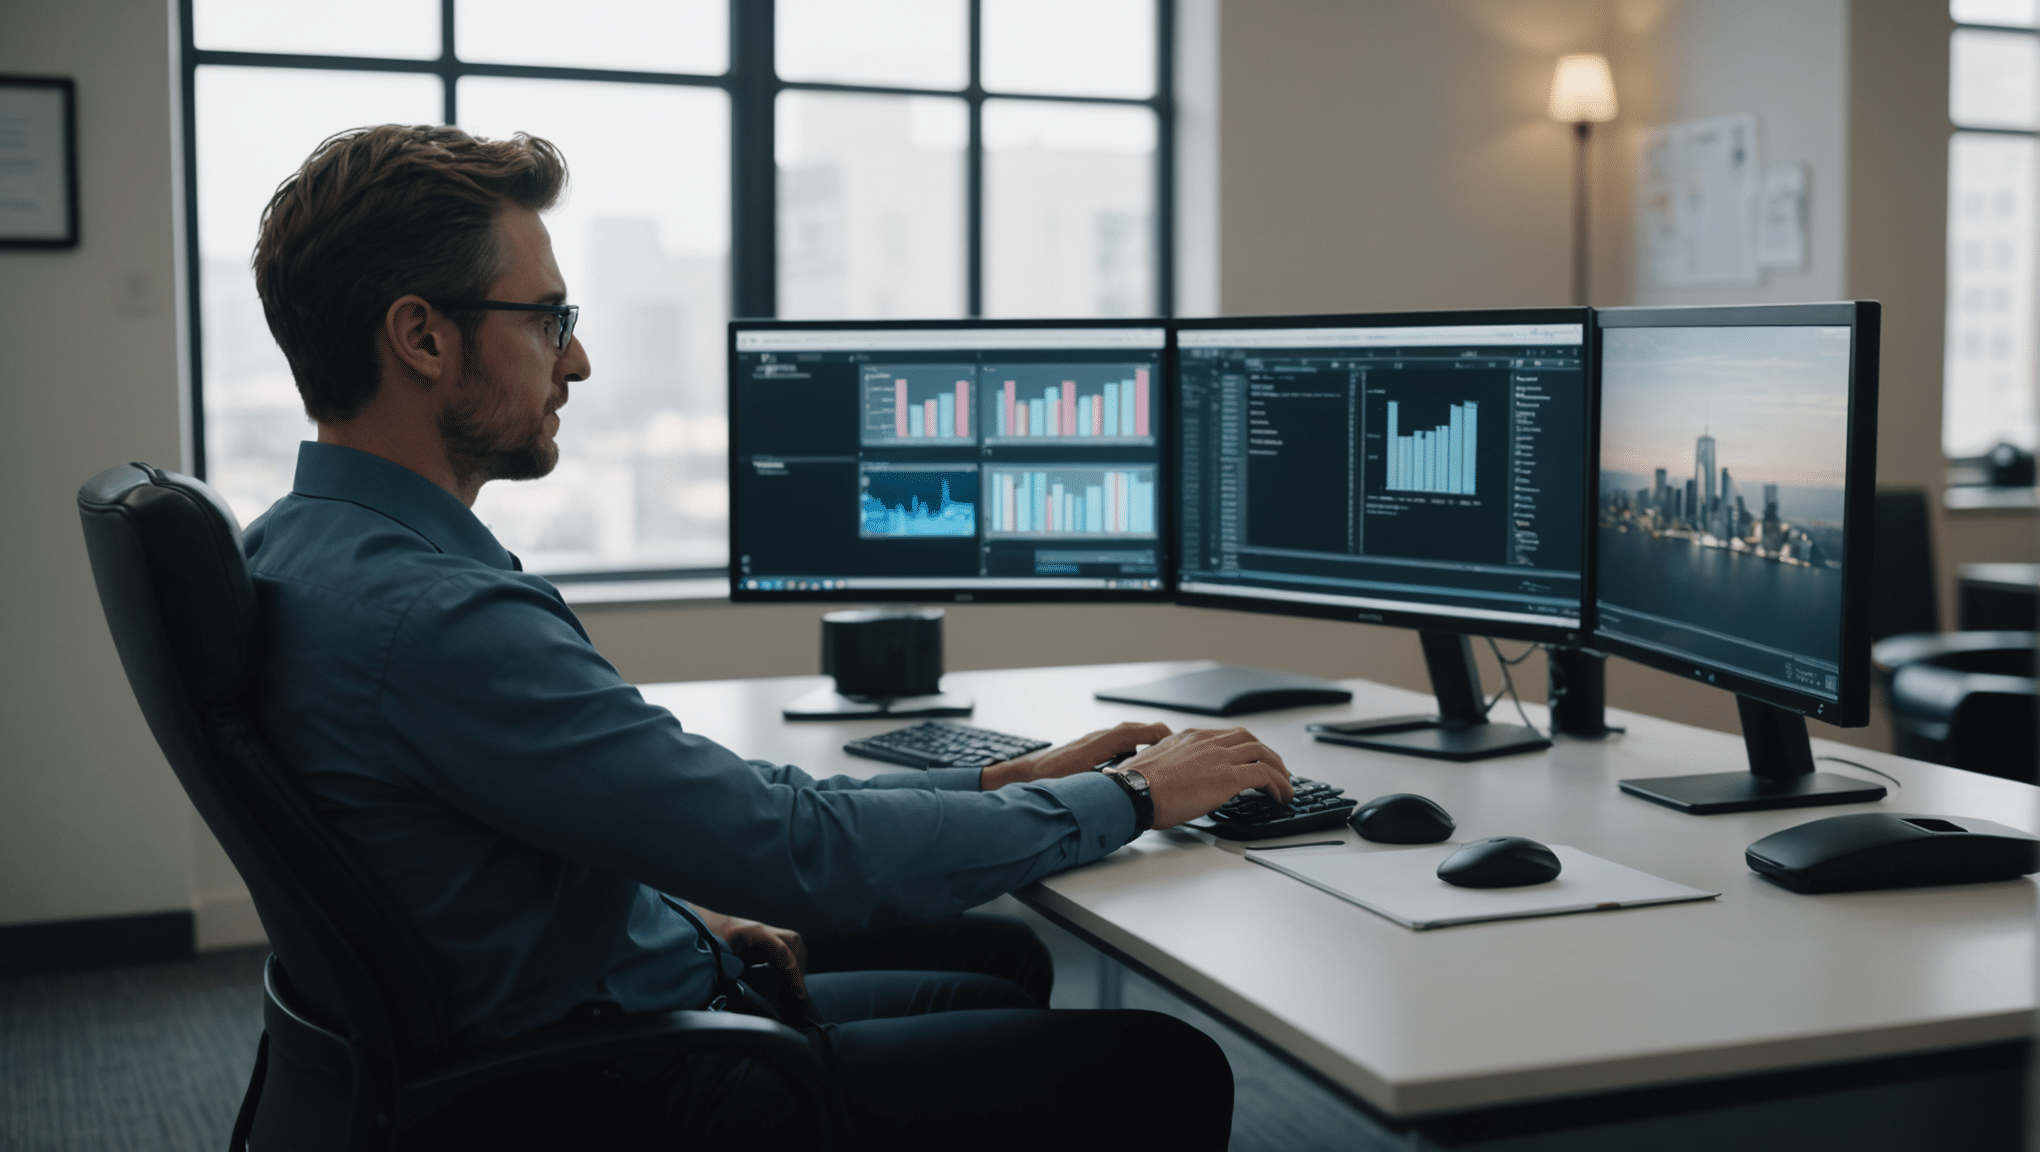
(934, 745)
(1252, 815)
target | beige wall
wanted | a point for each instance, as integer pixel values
(91, 821)
(1898, 195)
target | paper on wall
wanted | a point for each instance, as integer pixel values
(1697, 194)
(1781, 217)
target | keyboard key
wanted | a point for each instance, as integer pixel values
(1254, 815)
(937, 745)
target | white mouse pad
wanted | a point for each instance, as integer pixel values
(1404, 886)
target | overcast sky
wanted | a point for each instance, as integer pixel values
(1776, 401)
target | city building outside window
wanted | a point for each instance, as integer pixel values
(919, 159)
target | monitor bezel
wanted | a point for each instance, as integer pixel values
(1851, 708)
(1165, 504)
(1421, 621)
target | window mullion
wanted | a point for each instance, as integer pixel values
(974, 177)
(195, 455)
(1165, 158)
(449, 70)
(754, 175)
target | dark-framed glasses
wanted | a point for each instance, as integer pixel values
(561, 326)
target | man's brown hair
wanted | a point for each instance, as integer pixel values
(380, 213)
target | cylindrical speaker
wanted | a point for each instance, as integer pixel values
(883, 653)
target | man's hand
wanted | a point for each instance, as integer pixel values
(1198, 769)
(1079, 755)
(756, 943)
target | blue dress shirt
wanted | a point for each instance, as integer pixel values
(526, 807)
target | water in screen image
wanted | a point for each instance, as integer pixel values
(1723, 453)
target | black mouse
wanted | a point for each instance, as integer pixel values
(1500, 862)
(1402, 818)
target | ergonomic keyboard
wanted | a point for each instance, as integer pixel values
(1253, 815)
(934, 745)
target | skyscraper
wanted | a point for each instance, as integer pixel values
(1703, 467)
(1658, 495)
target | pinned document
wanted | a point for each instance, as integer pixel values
(1404, 886)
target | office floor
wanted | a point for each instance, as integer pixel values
(155, 1057)
(150, 1058)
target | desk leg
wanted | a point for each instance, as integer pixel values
(1111, 982)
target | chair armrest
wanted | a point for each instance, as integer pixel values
(578, 1042)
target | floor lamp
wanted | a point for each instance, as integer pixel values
(1582, 95)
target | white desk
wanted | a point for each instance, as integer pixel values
(1450, 1021)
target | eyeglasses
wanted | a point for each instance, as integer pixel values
(564, 316)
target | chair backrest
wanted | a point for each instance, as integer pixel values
(1902, 565)
(175, 584)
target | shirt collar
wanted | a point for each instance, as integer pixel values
(330, 472)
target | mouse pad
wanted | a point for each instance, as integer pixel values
(1404, 886)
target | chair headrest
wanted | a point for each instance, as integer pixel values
(186, 537)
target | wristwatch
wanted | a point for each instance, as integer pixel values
(1136, 786)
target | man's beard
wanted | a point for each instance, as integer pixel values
(479, 452)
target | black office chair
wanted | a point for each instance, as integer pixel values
(357, 1048)
(1965, 699)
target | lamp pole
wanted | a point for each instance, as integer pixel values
(1581, 268)
(1582, 95)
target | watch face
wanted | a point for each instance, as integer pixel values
(1134, 778)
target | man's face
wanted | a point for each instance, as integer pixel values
(500, 418)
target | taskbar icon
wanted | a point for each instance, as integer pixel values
(793, 585)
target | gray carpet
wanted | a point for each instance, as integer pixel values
(154, 1058)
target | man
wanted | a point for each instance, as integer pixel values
(558, 841)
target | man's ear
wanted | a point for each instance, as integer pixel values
(422, 341)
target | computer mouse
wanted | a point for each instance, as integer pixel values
(1402, 818)
(1500, 862)
(1869, 850)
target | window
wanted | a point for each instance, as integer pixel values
(812, 159)
(1994, 101)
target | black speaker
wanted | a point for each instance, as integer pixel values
(883, 653)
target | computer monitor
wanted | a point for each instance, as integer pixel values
(977, 460)
(1425, 470)
(1736, 490)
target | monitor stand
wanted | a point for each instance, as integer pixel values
(829, 704)
(1460, 731)
(1781, 773)
(1576, 687)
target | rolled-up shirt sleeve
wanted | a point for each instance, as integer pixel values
(515, 719)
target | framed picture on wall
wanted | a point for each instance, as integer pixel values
(38, 162)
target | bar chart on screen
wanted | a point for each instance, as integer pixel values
(1441, 459)
(1098, 500)
(1067, 403)
(926, 404)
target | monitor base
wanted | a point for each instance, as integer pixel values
(829, 704)
(1228, 690)
(1434, 739)
(1716, 792)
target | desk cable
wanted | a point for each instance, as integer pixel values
(1509, 682)
(1865, 767)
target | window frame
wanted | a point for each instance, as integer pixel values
(1967, 472)
(753, 85)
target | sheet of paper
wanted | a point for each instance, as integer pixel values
(1781, 217)
(1696, 215)
(1404, 886)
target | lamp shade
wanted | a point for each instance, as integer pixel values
(1582, 89)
